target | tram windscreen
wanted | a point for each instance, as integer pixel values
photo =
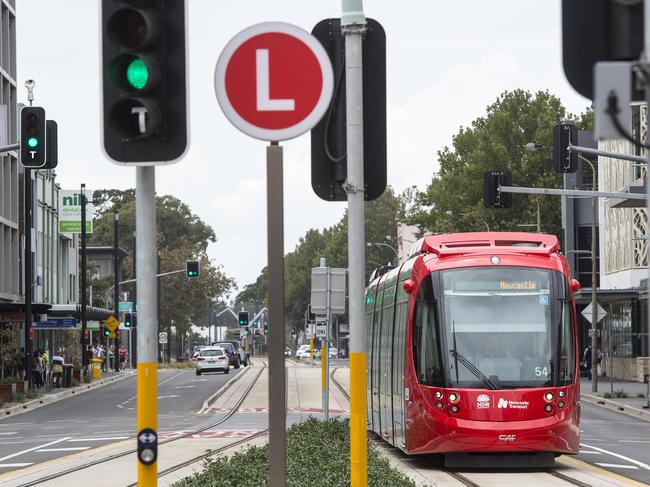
(499, 322)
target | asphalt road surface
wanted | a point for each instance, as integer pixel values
(615, 441)
(103, 416)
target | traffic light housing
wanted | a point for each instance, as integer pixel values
(244, 331)
(144, 82)
(52, 145)
(33, 140)
(266, 328)
(106, 332)
(192, 268)
(128, 320)
(492, 197)
(243, 318)
(564, 160)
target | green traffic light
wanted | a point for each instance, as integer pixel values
(32, 142)
(137, 74)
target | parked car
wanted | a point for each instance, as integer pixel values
(287, 351)
(333, 352)
(231, 351)
(212, 359)
(303, 351)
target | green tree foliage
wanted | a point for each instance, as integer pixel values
(453, 201)
(182, 235)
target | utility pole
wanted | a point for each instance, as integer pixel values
(28, 206)
(646, 71)
(353, 27)
(116, 284)
(84, 323)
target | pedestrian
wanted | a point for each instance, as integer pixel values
(37, 370)
(111, 357)
(45, 360)
(101, 354)
(123, 354)
(586, 359)
(57, 370)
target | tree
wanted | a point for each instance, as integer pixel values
(453, 201)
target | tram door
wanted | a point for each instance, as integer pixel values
(386, 365)
(376, 351)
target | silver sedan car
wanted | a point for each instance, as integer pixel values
(212, 359)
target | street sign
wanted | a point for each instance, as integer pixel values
(600, 313)
(336, 290)
(53, 323)
(274, 81)
(321, 331)
(112, 323)
(162, 337)
(125, 306)
(112, 335)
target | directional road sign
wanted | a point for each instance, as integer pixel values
(112, 323)
(600, 313)
(125, 305)
(321, 331)
(274, 81)
(162, 337)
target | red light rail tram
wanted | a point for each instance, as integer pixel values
(472, 350)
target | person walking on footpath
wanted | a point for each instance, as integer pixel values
(37, 370)
(123, 355)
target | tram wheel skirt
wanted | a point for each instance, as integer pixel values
(500, 460)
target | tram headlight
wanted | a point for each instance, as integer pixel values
(562, 393)
(438, 395)
(453, 397)
(548, 408)
(440, 405)
(560, 404)
(549, 396)
(455, 408)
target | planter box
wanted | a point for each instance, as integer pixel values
(22, 387)
(76, 375)
(7, 392)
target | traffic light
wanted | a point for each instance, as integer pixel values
(244, 331)
(266, 328)
(32, 137)
(128, 320)
(106, 332)
(144, 81)
(492, 197)
(52, 146)
(564, 160)
(192, 268)
(243, 318)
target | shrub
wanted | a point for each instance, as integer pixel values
(318, 454)
(607, 395)
(640, 395)
(620, 393)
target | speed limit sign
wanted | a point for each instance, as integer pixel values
(162, 337)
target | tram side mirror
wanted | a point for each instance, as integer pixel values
(575, 285)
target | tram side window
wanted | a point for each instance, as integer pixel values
(425, 337)
(567, 347)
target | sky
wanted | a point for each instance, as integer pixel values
(446, 62)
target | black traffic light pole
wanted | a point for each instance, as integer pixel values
(116, 284)
(84, 324)
(28, 271)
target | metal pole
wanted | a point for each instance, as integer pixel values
(116, 272)
(594, 284)
(145, 217)
(571, 192)
(604, 153)
(277, 380)
(325, 383)
(646, 59)
(158, 300)
(134, 330)
(27, 261)
(84, 323)
(353, 26)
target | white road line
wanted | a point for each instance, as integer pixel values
(173, 395)
(15, 424)
(66, 421)
(34, 448)
(76, 448)
(107, 438)
(622, 457)
(167, 380)
(9, 433)
(185, 387)
(633, 441)
(615, 465)
(582, 452)
(14, 465)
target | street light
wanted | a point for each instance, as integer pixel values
(379, 244)
(452, 213)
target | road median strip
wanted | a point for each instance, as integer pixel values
(617, 406)
(213, 398)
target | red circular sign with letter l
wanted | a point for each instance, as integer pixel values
(274, 81)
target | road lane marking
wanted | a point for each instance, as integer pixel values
(616, 465)
(173, 395)
(167, 380)
(66, 421)
(108, 438)
(185, 387)
(14, 465)
(74, 448)
(582, 452)
(34, 448)
(622, 457)
(9, 433)
(633, 441)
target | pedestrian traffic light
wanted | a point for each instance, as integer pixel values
(492, 197)
(32, 137)
(266, 328)
(128, 320)
(565, 160)
(192, 268)
(144, 81)
(244, 331)
(106, 332)
(243, 318)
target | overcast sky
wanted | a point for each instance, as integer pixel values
(446, 61)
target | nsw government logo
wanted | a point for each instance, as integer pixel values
(483, 401)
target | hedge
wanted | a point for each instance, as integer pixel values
(318, 454)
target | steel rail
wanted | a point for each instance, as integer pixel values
(109, 458)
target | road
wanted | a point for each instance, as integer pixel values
(102, 416)
(615, 441)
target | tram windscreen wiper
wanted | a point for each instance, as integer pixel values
(473, 369)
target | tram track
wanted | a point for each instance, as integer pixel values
(115, 456)
(465, 478)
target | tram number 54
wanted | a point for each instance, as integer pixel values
(541, 371)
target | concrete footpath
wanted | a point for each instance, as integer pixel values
(633, 404)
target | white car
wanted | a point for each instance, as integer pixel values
(303, 351)
(212, 359)
(333, 352)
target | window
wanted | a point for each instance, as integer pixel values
(425, 337)
(567, 347)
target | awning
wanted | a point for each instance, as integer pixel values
(583, 296)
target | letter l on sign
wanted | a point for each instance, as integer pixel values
(264, 102)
